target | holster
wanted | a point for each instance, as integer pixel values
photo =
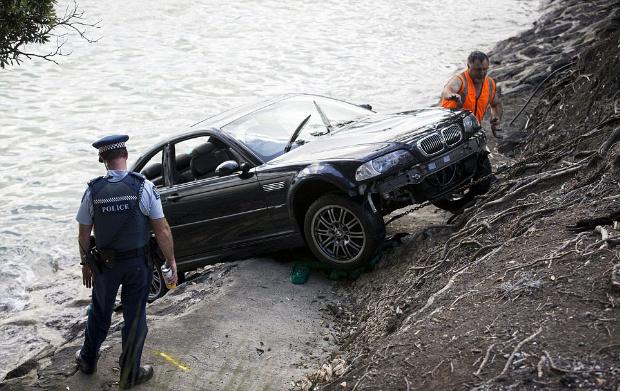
(91, 260)
(100, 259)
(107, 257)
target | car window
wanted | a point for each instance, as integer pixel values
(187, 146)
(153, 169)
(267, 131)
(197, 158)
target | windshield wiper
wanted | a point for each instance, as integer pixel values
(343, 123)
(324, 118)
(296, 133)
(336, 125)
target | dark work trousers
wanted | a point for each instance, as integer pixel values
(135, 277)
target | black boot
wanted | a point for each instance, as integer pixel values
(83, 366)
(145, 373)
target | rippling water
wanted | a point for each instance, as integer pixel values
(161, 66)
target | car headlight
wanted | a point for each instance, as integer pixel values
(382, 164)
(470, 124)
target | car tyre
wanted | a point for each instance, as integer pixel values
(342, 233)
(455, 205)
(157, 288)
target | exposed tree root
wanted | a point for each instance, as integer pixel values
(516, 349)
(614, 138)
(530, 185)
(485, 359)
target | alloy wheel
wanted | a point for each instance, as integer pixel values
(338, 233)
(156, 285)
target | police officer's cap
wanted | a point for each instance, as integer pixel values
(109, 143)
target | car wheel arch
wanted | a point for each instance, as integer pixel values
(303, 193)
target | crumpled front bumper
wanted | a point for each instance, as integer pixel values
(417, 173)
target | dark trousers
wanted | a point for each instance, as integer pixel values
(135, 277)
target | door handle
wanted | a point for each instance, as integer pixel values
(174, 197)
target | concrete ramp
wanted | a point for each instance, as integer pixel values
(237, 326)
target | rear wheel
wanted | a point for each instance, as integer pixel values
(456, 202)
(158, 287)
(342, 233)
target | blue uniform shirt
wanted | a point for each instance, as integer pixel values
(150, 204)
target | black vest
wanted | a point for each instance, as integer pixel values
(119, 223)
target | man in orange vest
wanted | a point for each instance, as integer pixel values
(473, 90)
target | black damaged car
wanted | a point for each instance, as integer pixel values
(308, 170)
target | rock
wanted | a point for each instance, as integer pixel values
(61, 367)
(22, 370)
(339, 366)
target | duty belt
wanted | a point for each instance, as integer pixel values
(135, 253)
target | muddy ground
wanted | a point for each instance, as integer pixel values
(515, 293)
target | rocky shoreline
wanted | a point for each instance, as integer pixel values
(519, 291)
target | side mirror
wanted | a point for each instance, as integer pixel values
(226, 168)
(245, 168)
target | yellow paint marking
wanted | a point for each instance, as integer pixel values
(174, 362)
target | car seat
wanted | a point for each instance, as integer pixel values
(183, 172)
(153, 173)
(205, 158)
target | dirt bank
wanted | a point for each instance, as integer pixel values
(516, 292)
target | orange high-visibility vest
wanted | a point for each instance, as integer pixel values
(479, 105)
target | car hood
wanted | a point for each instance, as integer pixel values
(370, 136)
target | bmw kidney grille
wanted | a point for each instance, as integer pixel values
(452, 135)
(439, 142)
(430, 145)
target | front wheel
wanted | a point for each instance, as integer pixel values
(341, 232)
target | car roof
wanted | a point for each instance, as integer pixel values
(226, 117)
(214, 123)
(186, 135)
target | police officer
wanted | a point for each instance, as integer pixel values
(122, 206)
